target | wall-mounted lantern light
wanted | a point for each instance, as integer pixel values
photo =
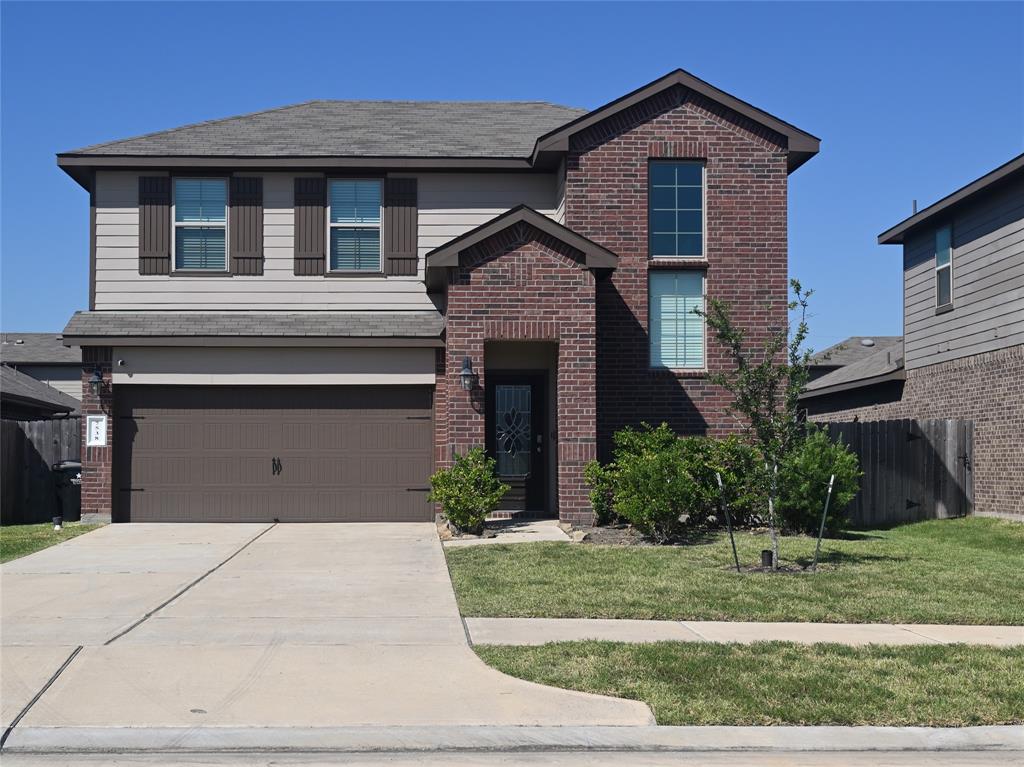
(467, 376)
(96, 382)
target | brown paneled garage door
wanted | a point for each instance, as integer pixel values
(256, 454)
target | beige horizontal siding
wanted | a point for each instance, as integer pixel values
(450, 205)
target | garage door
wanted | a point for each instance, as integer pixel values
(256, 454)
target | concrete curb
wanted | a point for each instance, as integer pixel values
(372, 738)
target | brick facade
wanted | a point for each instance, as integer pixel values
(523, 285)
(746, 248)
(97, 462)
(987, 389)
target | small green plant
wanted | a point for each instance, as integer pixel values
(468, 490)
(803, 483)
(601, 479)
(653, 489)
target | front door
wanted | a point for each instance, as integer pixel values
(515, 421)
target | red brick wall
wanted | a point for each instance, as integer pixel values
(987, 389)
(97, 462)
(606, 201)
(522, 285)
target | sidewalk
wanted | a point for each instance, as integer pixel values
(537, 631)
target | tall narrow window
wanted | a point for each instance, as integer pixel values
(943, 268)
(677, 333)
(355, 225)
(675, 203)
(200, 224)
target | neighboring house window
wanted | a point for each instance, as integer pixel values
(676, 209)
(355, 225)
(200, 224)
(677, 333)
(943, 267)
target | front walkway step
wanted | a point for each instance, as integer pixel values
(1005, 740)
(537, 631)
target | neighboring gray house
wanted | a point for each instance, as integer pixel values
(962, 354)
(853, 349)
(44, 356)
(23, 398)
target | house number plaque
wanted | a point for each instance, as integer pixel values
(96, 431)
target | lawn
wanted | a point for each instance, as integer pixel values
(966, 571)
(785, 683)
(19, 540)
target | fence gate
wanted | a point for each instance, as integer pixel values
(28, 450)
(913, 470)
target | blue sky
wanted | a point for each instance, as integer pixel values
(911, 101)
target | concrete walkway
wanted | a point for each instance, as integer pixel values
(254, 626)
(537, 631)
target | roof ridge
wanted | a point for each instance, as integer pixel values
(201, 123)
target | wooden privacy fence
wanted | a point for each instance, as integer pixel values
(913, 470)
(27, 451)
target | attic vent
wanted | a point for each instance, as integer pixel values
(867, 342)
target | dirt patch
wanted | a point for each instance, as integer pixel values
(612, 535)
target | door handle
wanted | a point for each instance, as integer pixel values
(275, 465)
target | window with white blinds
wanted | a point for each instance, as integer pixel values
(676, 332)
(354, 219)
(200, 224)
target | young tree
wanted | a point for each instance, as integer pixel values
(765, 384)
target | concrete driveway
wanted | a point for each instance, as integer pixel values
(177, 627)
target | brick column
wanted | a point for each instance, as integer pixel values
(97, 462)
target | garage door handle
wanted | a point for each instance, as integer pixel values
(275, 465)
(417, 489)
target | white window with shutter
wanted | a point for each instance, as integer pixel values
(676, 330)
(354, 215)
(200, 218)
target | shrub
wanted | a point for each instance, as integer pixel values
(468, 491)
(736, 462)
(653, 489)
(803, 483)
(602, 487)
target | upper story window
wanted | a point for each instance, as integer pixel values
(354, 219)
(200, 224)
(676, 209)
(676, 332)
(944, 268)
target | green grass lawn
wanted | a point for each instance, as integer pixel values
(785, 683)
(967, 571)
(19, 540)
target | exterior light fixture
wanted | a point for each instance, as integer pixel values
(467, 376)
(96, 381)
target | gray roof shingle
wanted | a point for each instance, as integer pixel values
(38, 348)
(358, 129)
(15, 385)
(853, 349)
(414, 324)
(879, 363)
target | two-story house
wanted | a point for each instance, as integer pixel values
(962, 354)
(298, 314)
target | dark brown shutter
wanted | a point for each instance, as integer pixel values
(154, 225)
(246, 234)
(399, 238)
(310, 226)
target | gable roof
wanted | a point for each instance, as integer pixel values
(595, 256)
(37, 348)
(896, 234)
(853, 349)
(883, 365)
(18, 388)
(802, 145)
(493, 135)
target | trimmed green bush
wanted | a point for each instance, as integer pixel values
(736, 462)
(468, 491)
(602, 490)
(653, 489)
(803, 483)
